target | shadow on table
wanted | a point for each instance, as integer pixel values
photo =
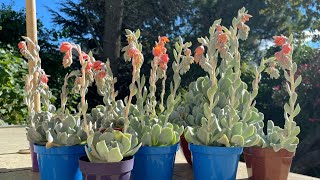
(18, 174)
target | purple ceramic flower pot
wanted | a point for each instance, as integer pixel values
(100, 171)
(34, 159)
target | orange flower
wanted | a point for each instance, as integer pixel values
(22, 45)
(199, 50)
(164, 39)
(164, 58)
(157, 50)
(44, 78)
(286, 48)
(97, 65)
(67, 59)
(89, 66)
(197, 58)
(222, 38)
(84, 56)
(132, 51)
(245, 17)
(101, 74)
(65, 46)
(279, 40)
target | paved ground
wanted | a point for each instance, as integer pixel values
(14, 166)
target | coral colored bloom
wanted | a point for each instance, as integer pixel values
(97, 65)
(278, 56)
(219, 28)
(132, 51)
(199, 50)
(286, 48)
(44, 78)
(157, 51)
(164, 39)
(22, 45)
(222, 38)
(197, 58)
(101, 74)
(279, 40)
(89, 66)
(164, 58)
(65, 46)
(84, 56)
(245, 17)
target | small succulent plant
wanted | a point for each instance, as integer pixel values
(229, 117)
(50, 130)
(149, 125)
(111, 146)
(277, 137)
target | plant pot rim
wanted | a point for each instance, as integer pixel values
(267, 152)
(215, 149)
(158, 149)
(106, 168)
(77, 149)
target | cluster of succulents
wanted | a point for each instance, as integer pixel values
(111, 146)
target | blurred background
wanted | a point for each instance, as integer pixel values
(99, 26)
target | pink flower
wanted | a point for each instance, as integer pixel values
(286, 48)
(245, 17)
(97, 65)
(101, 74)
(137, 59)
(84, 56)
(44, 78)
(65, 46)
(132, 51)
(187, 52)
(22, 45)
(219, 28)
(279, 40)
(199, 50)
(89, 66)
(222, 38)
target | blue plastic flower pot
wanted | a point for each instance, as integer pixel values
(214, 163)
(154, 163)
(60, 163)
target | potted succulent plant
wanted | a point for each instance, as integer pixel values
(230, 119)
(30, 88)
(109, 154)
(149, 116)
(58, 135)
(109, 151)
(272, 157)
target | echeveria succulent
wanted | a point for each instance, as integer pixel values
(229, 117)
(111, 146)
(52, 130)
(277, 137)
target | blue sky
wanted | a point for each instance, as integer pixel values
(42, 12)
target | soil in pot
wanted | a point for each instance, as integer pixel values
(154, 163)
(185, 149)
(59, 163)
(266, 164)
(214, 163)
(104, 171)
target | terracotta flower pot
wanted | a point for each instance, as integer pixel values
(103, 171)
(185, 149)
(266, 164)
